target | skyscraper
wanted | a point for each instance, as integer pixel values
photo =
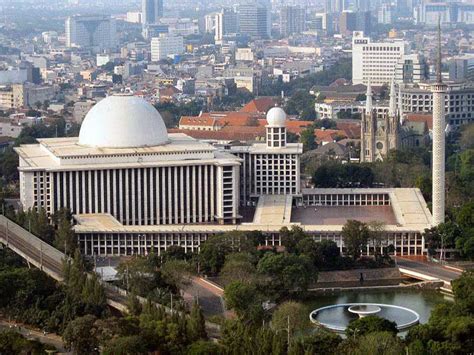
(292, 20)
(255, 20)
(152, 10)
(96, 32)
(227, 22)
(439, 93)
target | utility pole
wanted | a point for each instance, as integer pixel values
(288, 336)
(41, 256)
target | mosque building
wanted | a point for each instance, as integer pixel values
(134, 188)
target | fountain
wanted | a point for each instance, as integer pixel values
(337, 317)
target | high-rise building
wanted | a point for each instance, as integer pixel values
(411, 69)
(152, 10)
(166, 46)
(461, 67)
(386, 14)
(95, 32)
(227, 22)
(255, 20)
(375, 61)
(292, 20)
(350, 21)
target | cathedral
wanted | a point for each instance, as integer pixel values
(378, 137)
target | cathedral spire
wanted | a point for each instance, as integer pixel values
(392, 109)
(368, 101)
(400, 103)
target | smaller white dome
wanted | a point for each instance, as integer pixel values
(276, 117)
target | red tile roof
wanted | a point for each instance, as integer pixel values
(226, 133)
(260, 105)
(421, 117)
(328, 135)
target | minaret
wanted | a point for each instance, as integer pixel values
(439, 94)
(276, 128)
(400, 103)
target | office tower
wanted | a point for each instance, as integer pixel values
(461, 67)
(411, 69)
(439, 95)
(292, 20)
(97, 32)
(362, 5)
(227, 22)
(152, 10)
(255, 20)
(166, 46)
(386, 14)
(375, 60)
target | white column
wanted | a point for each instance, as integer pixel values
(206, 194)
(194, 194)
(108, 195)
(170, 197)
(158, 195)
(188, 195)
(102, 191)
(181, 193)
(151, 188)
(212, 194)
(133, 189)
(84, 192)
(89, 190)
(199, 193)
(96, 190)
(175, 190)
(164, 193)
(145, 196)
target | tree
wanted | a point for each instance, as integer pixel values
(463, 289)
(215, 249)
(370, 324)
(465, 216)
(320, 342)
(126, 345)
(14, 343)
(291, 238)
(379, 343)
(308, 139)
(81, 335)
(286, 273)
(134, 306)
(173, 252)
(64, 235)
(196, 326)
(376, 235)
(355, 235)
(202, 347)
(238, 267)
(297, 313)
(244, 299)
(176, 272)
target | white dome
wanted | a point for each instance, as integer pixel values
(123, 121)
(276, 117)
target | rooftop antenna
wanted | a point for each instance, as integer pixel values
(439, 78)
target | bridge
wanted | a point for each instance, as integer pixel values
(50, 260)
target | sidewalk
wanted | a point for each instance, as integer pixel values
(34, 334)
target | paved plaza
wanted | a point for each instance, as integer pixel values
(338, 215)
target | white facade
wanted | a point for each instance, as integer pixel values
(374, 61)
(459, 101)
(96, 32)
(330, 110)
(180, 180)
(166, 46)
